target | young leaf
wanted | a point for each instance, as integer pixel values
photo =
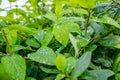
(87, 3)
(15, 66)
(43, 55)
(81, 65)
(61, 62)
(98, 74)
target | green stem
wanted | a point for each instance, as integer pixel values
(87, 22)
(7, 42)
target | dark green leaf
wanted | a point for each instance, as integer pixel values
(81, 65)
(98, 74)
(47, 70)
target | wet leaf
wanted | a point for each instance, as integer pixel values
(15, 66)
(43, 55)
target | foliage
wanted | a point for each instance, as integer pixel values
(60, 40)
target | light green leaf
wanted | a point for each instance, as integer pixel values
(87, 3)
(3, 74)
(17, 47)
(71, 62)
(39, 36)
(107, 20)
(61, 34)
(11, 36)
(7, 18)
(12, 0)
(58, 10)
(15, 66)
(22, 29)
(47, 37)
(81, 65)
(98, 74)
(70, 19)
(47, 70)
(32, 42)
(61, 62)
(43, 55)
(60, 76)
(50, 16)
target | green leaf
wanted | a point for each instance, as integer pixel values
(61, 62)
(15, 66)
(50, 16)
(12, 0)
(98, 74)
(60, 76)
(22, 29)
(74, 43)
(87, 3)
(116, 65)
(30, 78)
(7, 18)
(81, 65)
(43, 55)
(11, 36)
(3, 74)
(117, 76)
(47, 37)
(0, 2)
(70, 19)
(39, 36)
(71, 62)
(107, 20)
(17, 47)
(111, 41)
(61, 34)
(47, 70)
(32, 42)
(81, 41)
(58, 10)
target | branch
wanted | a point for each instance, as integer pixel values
(87, 22)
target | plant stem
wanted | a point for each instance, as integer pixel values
(87, 22)
(7, 42)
